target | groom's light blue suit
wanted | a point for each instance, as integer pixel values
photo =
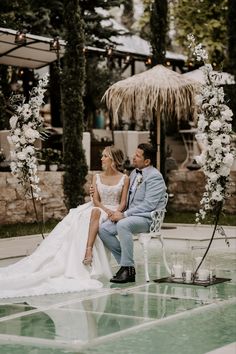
(143, 198)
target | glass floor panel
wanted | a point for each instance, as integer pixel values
(130, 318)
(67, 325)
(198, 334)
(138, 305)
(7, 310)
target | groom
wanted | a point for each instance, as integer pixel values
(146, 193)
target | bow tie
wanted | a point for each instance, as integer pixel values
(139, 171)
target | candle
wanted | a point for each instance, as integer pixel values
(188, 276)
(178, 270)
(203, 274)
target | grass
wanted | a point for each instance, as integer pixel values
(21, 229)
(171, 217)
(188, 217)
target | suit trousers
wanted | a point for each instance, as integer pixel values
(122, 246)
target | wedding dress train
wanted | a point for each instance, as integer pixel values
(56, 265)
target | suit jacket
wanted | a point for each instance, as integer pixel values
(148, 195)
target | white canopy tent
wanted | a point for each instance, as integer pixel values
(33, 54)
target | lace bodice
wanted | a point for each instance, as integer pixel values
(110, 195)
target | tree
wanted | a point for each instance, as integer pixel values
(231, 26)
(158, 27)
(73, 110)
(206, 20)
(128, 14)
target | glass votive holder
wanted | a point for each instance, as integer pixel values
(203, 274)
(188, 276)
(177, 271)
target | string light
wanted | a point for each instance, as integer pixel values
(148, 61)
(20, 37)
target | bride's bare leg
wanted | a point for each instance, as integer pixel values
(93, 230)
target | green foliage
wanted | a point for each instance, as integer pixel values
(158, 27)
(14, 230)
(128, 13)
(231, 20)
(4, 94)
(50, 156)
(98, 78)
(206, 20)
(144, 22)
(72, 95)
(230, 95)
(20, 229)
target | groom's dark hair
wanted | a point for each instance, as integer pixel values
(148, 151)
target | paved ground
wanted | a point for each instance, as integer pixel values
(151, 318)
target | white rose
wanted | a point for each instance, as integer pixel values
(15, 138)
(29, 149)
(215, 125)
(225, 138)
(227, 114)
(22, 140)
(21, 155)
(31, 134)
(17, 131)
(216, 196)
(213, 177)
(201, 159)
(228, 160)
(224, 171)
(13, 121)
(213, 101)
(217, 143)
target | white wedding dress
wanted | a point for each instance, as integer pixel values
(56, 265)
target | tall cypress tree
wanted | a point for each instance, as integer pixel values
(158, 26)
(72, 91)
(231, 25)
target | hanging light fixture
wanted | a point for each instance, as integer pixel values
(55, 44)
(20, 37)
(55, 47)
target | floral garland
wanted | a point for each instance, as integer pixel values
(214, 133)
(26, 127)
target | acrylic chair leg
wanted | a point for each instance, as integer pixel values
(145, 256)
(164, 254)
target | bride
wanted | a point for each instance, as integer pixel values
(71, 258)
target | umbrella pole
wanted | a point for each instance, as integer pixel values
(158, 117)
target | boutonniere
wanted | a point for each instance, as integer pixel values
(139, 180)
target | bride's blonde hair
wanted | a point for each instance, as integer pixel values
(116, 155)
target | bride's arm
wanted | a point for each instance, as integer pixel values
(123, 199)
(97, 200)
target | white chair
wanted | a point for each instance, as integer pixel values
(154, 231)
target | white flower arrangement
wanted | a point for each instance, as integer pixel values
(214, 132)
(26, 127)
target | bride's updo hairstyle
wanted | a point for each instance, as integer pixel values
(117, 157)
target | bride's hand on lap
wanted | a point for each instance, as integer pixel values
(116, 216)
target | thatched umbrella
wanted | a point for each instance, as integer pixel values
(158, 92)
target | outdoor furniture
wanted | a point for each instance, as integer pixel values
(190, 144)
(155, 231)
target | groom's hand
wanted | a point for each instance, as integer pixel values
(116, 216)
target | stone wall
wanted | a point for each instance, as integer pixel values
(14, 207)
(186, 186)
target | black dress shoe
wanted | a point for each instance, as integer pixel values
(124, 275)
(118, 273)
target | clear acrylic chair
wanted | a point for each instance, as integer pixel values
(154, 231)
